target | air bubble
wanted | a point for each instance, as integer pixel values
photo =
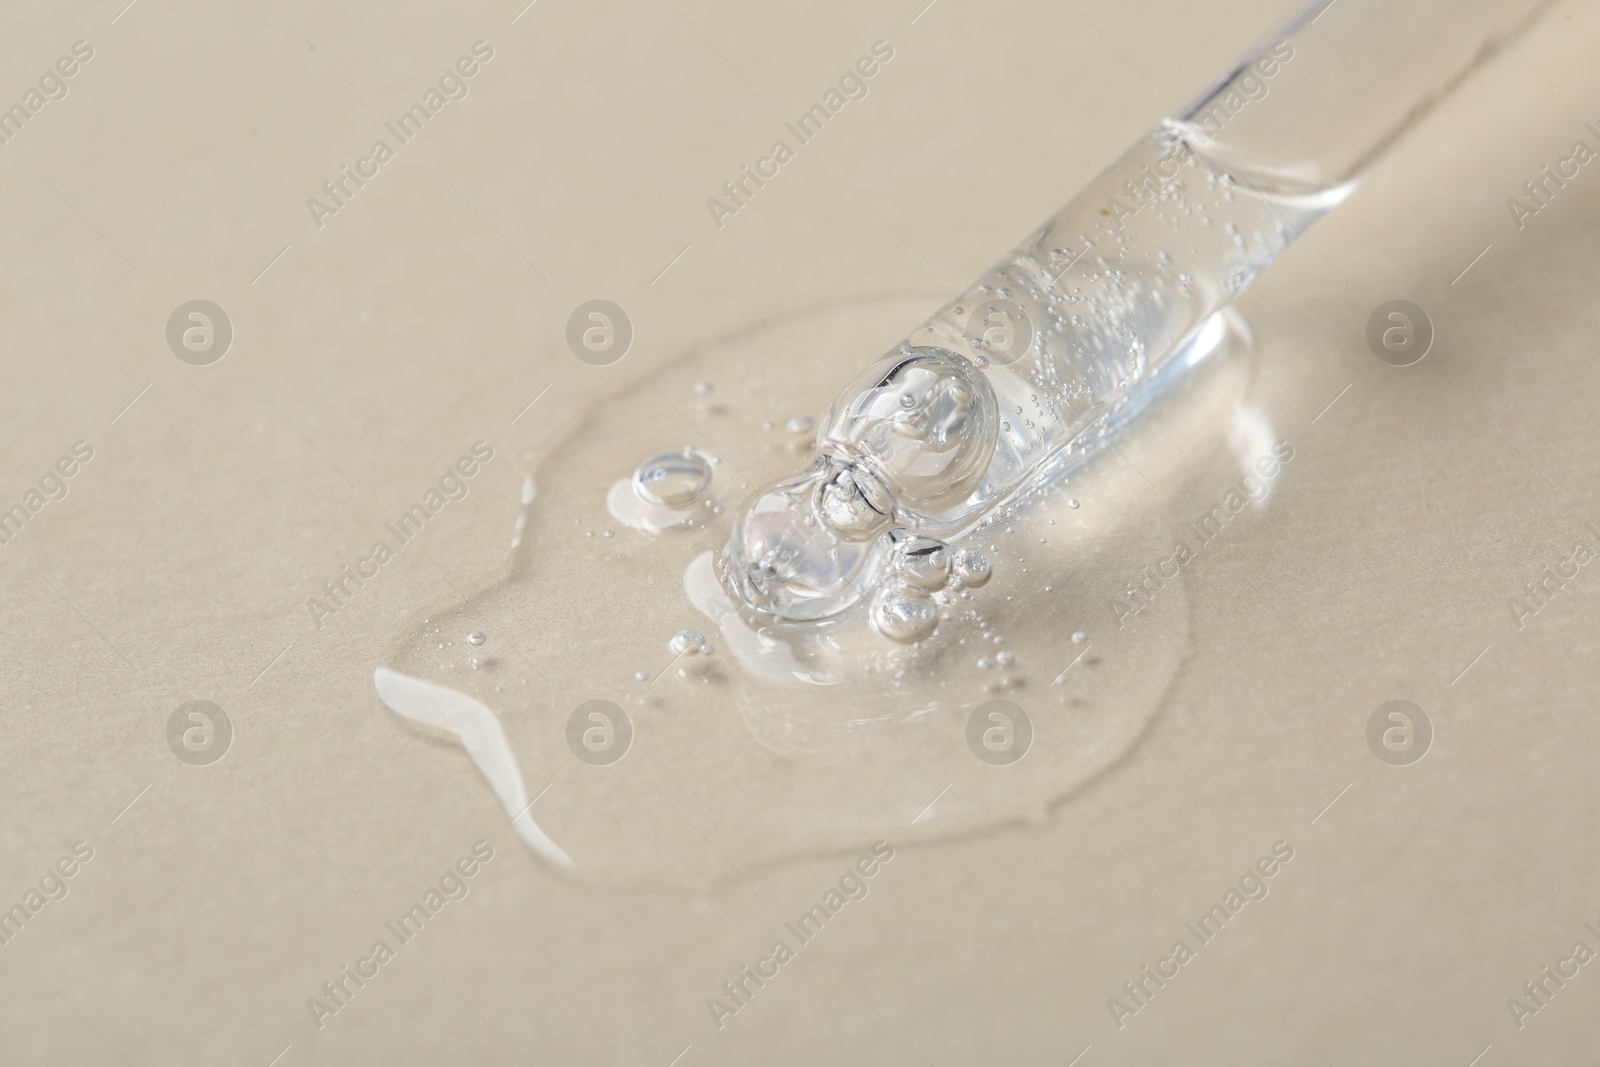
(904, 613)
(688, 642)
(923, 562)
(673, 479)
(800, 424)
(661, 491)
(477, 637)
(972, 567)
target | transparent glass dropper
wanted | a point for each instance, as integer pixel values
(1055, 348)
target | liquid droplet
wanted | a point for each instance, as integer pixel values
(905, 614)
(972, 567)
(672, 479)
(477, 637)
(801, 424)
(924, 563)
(687, 643)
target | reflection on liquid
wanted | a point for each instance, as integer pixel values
(780, 740)
(479, 731)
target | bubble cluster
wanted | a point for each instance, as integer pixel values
(1025, 374)
(924, 421)
(914, 432)
(688, 642)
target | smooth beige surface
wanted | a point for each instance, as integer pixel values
(426, 313)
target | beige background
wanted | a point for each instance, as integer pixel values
(431, 310)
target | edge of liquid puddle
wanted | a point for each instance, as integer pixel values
(698, 801)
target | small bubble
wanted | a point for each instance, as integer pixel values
(801, 424)
(1073, 503)
(702, 388)
(905, 614)
(1006, 659)
(672, 479)
(641, 676)
(477, 637)
(972, 567)
(687, 643)
(609, 533)
(1079, 638)
(767, 424)
(984, 663)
